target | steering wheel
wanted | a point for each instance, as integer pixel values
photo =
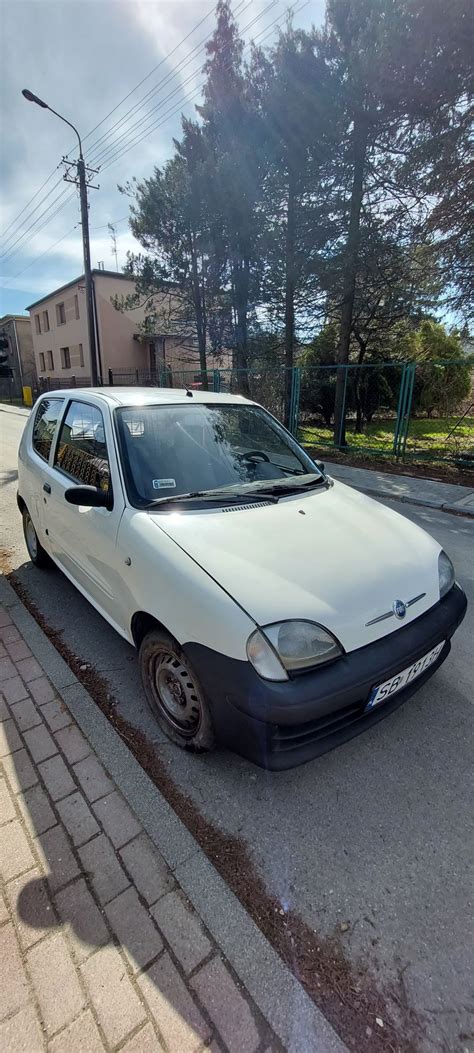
(255, 456)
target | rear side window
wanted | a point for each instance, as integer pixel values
(82, 451)
(46, 418)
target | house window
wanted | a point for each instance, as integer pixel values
(76, 305)
(81, 355)
(45, 322)
(50, 360)
(42, 362)
(65, 358)
(38, 323)
(60, 314)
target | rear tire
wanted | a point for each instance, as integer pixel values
(174, 694)
(36, 552)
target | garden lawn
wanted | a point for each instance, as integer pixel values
(425, 437)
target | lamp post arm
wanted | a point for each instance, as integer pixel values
(61, 118)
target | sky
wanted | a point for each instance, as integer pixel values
(83, 57)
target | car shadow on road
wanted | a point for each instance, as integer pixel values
(8, 476)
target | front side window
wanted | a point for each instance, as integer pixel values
(174, 451)
(82, 451)
(46, 418)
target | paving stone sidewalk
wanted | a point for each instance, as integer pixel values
(99, 947)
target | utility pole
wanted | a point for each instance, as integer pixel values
(81, 182)
(81, 175)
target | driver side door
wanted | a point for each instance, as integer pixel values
(83, 540)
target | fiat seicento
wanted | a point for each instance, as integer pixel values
(274, 611)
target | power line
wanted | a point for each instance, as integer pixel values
(122, 151)
(29, 202)
(104, 225)
(45, 253)
(59, 240)
(110, 146)
(170, 113)
(14, 233)
(101, 157)
(169, 76)
(14, 240)
(148, 75)
(14, 221)
(42, 225)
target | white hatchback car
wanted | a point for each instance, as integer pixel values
(274, 611)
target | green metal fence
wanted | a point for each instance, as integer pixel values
(397, 410)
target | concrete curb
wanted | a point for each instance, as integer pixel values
(278, 994)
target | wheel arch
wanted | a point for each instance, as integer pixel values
(21, 503)
(142, 623)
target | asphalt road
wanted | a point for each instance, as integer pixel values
(377, 833)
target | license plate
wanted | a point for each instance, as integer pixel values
(396, 683)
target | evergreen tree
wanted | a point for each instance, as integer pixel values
(395, 61)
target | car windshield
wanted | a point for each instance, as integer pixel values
(198, 451)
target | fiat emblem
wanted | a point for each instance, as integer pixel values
(399, 608)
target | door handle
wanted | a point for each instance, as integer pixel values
(46, 488)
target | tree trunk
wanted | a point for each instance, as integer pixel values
(241, 281)
(200, 312)
(360, 135)
(358, 422)
(202, 346)
(357, 399)
(290, 283)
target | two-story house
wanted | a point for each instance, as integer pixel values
(60, 334)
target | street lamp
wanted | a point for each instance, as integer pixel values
(81, 175)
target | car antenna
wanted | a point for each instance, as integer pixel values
(189, 392)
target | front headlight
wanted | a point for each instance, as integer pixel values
(291, 646)
(445, 574)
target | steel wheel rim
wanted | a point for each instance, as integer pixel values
(175, 694)
(31, 539)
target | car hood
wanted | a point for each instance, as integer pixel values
(333, 556)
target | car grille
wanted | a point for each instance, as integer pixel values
(293, 736)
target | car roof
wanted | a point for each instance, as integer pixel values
(136, 396)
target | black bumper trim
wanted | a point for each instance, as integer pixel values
(280, 725)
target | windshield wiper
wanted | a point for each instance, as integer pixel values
(224, 496)
(270, 493)
(292, 487)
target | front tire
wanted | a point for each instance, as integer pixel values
(36, 552)
(174, 694)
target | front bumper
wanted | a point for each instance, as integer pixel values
(281, 725)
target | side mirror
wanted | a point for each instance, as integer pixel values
(88, 495)
(320, 465)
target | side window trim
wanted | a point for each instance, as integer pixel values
(83, 402)
(55, 442)
(47, 460)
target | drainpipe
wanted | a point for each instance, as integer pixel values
(97, 337)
